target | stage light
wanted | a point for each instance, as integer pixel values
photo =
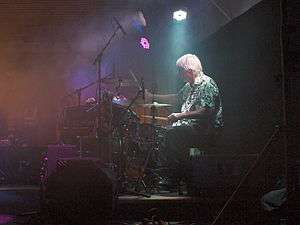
(139, 21)
(142, 18)
(145, 43)
(180, 15)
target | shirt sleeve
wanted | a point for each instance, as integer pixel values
(208, 95)
(182, 94)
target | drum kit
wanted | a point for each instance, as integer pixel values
(117, 129)
(132, 135)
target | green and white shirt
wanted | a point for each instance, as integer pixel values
(204, 93)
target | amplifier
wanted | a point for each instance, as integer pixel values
(20, 165)
(54, 153)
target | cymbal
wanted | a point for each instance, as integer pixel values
(156, 117)
(155, 104)
(118, 81)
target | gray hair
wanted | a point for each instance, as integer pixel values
(190, 62)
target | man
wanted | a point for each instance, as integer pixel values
(200, 119)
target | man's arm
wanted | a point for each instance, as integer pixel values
(205, 104)
(196, 114)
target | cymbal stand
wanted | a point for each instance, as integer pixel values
(139, 180)
(150, 152)
(153, 131)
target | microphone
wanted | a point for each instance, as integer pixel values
(120, 26)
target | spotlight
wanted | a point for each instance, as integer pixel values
(142, 18)
(180, 15)
(145, 43)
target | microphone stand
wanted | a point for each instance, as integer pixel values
(98, 62)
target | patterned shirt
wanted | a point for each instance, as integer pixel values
(204, 93)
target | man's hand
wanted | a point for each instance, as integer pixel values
(174, 117)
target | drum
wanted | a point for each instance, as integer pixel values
(81, 121)
(76, 121)
(145, 115)
(125, 121)
(124, 135)
(149, 132)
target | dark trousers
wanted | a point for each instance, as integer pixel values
(178, 142)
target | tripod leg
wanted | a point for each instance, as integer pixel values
(140, 181)
(144, 185)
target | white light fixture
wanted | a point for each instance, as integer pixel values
(180, 15)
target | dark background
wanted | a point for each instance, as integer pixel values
(244, 58)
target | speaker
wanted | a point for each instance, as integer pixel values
(80, 191)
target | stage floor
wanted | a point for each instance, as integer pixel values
(18, 200)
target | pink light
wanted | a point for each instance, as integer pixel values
(145, 43)
(6, 218)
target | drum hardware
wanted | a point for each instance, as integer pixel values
(156, 105)
(119, 82)
(98, 62)
(108, 79)
(138, 172)
(78, 91)
(142, 172)
(83, 120)
(83, 124)
(156, 117)
(133, 177)
(121, 100)
(135, 150)
(105, 123)
(76, 122)
(135, 167)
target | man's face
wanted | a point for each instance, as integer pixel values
(187, 75)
